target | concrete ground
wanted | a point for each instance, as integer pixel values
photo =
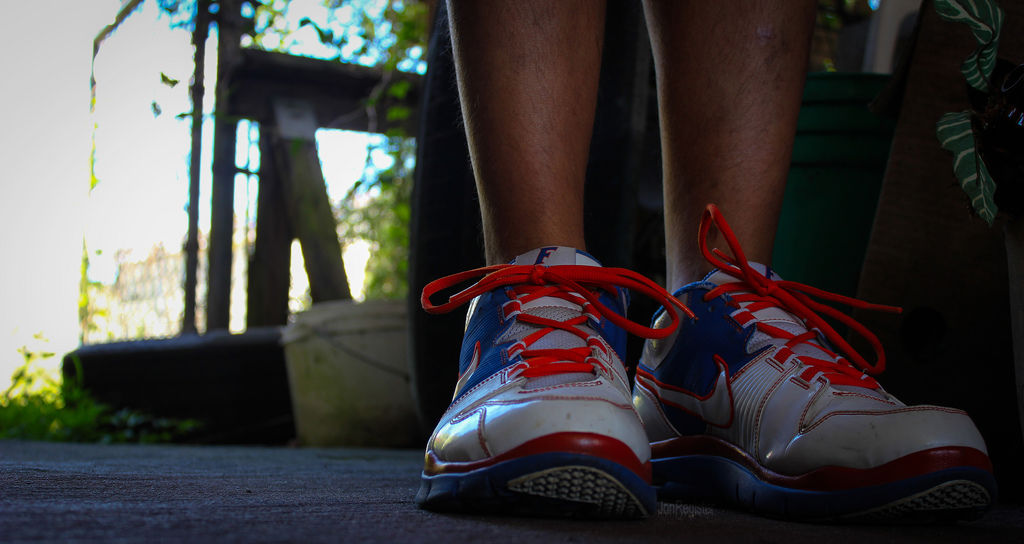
(93, 492)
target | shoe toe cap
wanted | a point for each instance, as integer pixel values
(501, 425)
(868, 439)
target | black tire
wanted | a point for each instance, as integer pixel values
(236, 385)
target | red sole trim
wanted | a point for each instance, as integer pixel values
(590, 444)
(828, 478)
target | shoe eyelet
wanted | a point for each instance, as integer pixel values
(516, 370)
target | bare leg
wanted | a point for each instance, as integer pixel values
(730, 77)
(528, 73)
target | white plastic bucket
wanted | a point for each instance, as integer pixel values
(348, 375)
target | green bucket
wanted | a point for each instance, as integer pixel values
(835, 178)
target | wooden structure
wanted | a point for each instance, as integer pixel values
(290, 97)
(236, 384)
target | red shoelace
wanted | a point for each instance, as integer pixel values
(577, 284)
(847, 367)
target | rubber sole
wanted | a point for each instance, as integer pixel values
(960, 493)
(544, 485)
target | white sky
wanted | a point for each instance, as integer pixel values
(45, 143)
(45, 209)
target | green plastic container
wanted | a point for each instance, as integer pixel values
(838, 163)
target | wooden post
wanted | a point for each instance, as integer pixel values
(309, 208)
(197, 90)
(335, 93)
(269, 267)
(222, 214)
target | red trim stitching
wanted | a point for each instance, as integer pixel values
(908, 409)
(592, 444)
(480, 431)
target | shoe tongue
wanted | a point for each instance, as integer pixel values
(774, 315)
(782, 319)
(718, 276)
(555, 308)
(556, 255)
(552, 308)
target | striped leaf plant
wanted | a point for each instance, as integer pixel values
(957, 131)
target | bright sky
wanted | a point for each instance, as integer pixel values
(141, 159)
(45, 169)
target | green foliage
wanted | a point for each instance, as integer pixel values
(985, 20)
(957, 131)
(836, 14)
(377, 209)
(168, 80)
(40, 406)
(832, 16)
(390, 34)
(956, 134)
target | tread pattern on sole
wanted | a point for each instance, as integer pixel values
(581, 484)
(959, 499)
(545, 485)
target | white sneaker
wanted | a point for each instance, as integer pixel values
(541, 421)
(757, 402)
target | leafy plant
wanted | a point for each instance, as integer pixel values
(985, 20)
(957, 135)
(377, 210)
(41, 406)
(958, 132)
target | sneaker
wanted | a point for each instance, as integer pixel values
(759, 403)
(541, 422)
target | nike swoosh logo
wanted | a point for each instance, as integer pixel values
(715, 408)
(464, 378)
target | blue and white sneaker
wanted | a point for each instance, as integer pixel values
(541, 422)
(757, 402)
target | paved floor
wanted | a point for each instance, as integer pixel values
(91, 492)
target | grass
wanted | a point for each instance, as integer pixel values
(42, 406)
